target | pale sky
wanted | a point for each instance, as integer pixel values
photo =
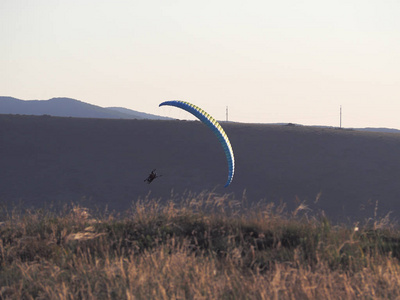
(268, 61)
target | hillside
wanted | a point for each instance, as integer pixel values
(137, 115)
(67, 107)
(103, 162)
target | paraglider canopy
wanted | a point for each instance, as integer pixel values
(214, 126)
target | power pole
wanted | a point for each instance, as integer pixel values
(340, 116)
(227, 113)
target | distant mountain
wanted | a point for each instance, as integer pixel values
(67, 107)
(136, 114)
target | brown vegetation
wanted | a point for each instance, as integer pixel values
(199, 247)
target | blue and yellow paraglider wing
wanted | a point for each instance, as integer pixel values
(214, 126)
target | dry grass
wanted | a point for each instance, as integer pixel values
(199, 247)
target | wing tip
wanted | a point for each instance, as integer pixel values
(228, 183)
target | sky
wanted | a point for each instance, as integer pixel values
(266, 61)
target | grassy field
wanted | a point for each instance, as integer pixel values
(202, 246)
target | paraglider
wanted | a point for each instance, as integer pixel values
(153, 175)
(214, 126)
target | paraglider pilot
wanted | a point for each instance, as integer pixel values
(153, 175)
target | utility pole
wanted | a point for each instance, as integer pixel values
(340, 116)
(227, 113)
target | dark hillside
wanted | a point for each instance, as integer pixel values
(67, 107)
(49, 159)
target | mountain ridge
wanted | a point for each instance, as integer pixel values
(68, 107)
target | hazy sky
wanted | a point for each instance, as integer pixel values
(268, 61)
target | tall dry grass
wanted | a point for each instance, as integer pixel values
(198, 247)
